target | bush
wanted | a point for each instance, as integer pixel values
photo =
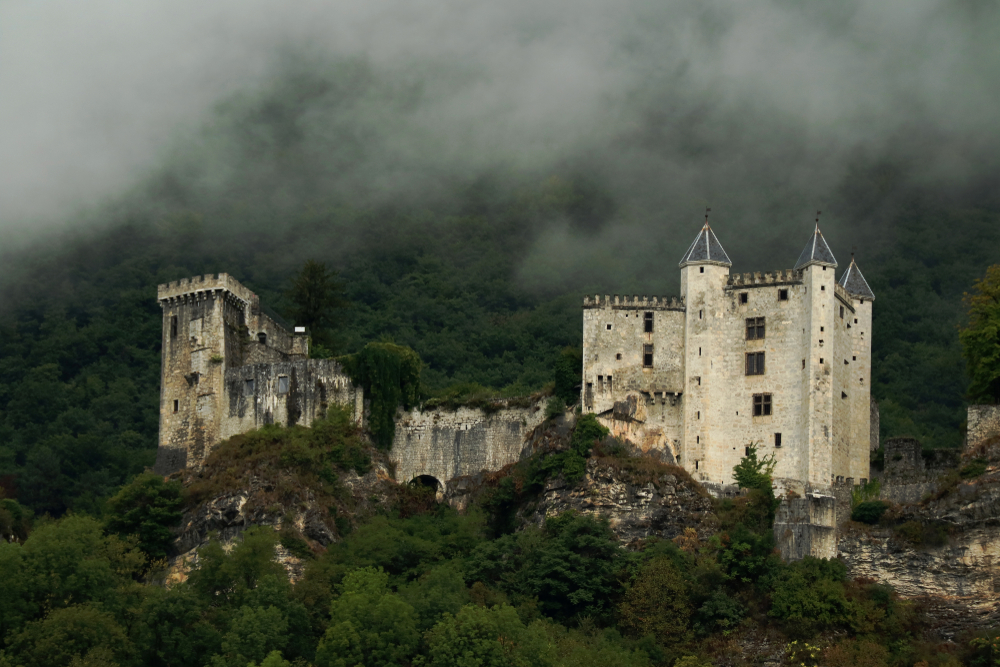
(974, 468)
(656, 603)
(809, 596)
(920, 534)
(390, 375)
(147, 508)
(869, 512)
(554, 407)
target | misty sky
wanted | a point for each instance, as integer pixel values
(757, 108)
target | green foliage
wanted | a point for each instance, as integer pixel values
(147, 507)
(67, 635)
(488, 637)
(253, 634)
(572, 464)
(555, 407)
(390, 375)
(745, 555)
(922, 534)
(973, 468)
(656, 603)
(369, 624)
(15, 521)
(754, 473)
(981, 338)
(292, 458)
(809, 596)
(571, 567)
(568, 370)
(719, 613)
(870, 490)
(316, 295)
(869, 511)
(273, 659)
(232, 576)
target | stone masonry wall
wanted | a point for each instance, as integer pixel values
(984, 423)
(446, 444)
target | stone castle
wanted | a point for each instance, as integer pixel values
(228, 368)
(780, 360)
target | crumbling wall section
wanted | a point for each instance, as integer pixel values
(806, 527)
(450, 443)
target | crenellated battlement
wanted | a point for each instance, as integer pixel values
(765, 278)
(624, 302)
(203, 285)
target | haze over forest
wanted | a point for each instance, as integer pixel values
(475, 168)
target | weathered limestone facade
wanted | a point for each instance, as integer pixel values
(228, 368)
(983, 423)
(445, 444)
(781, 360)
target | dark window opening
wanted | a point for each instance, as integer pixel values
(843, 395)
(647, 355)
(609, 382)
(609, 327)
(648, 322)
(755, 363)
(777, 440)
(782, 295)
(699, 380)
(695, 465)
(700, 314)
(822, 288)
(697, 441)
(701, 269)
(755, 328)
(173, 327)
(698, 415)
(803, 363)
(762, 405)
(618, 356)
(746, 451)
(841, 312)
(282, 384)
(845, 362)
(821, 360)
(822, 329)
(855, 320)
(600, 380)
(262, 338)
(854, 358)
(248, 387)
(743, 297)
(176, 405)
(699, 351)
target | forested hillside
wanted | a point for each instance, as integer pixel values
(481, 271)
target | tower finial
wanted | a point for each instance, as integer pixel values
(817, 218)
(707, 211)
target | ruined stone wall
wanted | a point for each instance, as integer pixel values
(909, 473)
(446, 444)
(983, 424)
(807, 527)
(287, 393)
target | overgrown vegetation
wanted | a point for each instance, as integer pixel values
(390, 376)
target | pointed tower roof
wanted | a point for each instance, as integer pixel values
(816, 252)
(855, 283)
(706, 249)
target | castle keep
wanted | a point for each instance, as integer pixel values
(781, 360)
(228, 368)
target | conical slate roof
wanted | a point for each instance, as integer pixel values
(816, 252)
(855, 283)
(706, 249)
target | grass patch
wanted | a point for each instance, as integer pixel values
(477, 397)
(922, 534)
(974, 468)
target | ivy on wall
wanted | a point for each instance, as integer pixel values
(390, 376)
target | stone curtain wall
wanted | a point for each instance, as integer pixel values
(446, 444)
(909, 473)
(984, 423)
(806, 527)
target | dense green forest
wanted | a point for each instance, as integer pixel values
(413, 582)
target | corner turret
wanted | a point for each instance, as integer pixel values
(706, 249)
(855, 283)
(816, 252)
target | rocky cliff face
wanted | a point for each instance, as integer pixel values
(944, 551)
(256, 503)
(656, 499)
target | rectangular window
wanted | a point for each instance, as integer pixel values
(609, 382)
(782, 295)
(755, 363)
(282, 384)
(743, 297)
(173, 327)
(761, 405)
(841, 312)
(755, 328)
(248, 387)
(618, 357)
(176, 405)
(648, 322)
(647, 355)
(777, 440)
(609, 327)
(746, 451)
